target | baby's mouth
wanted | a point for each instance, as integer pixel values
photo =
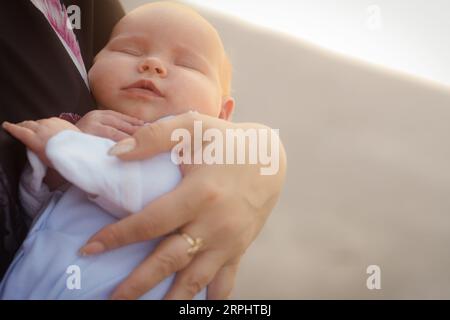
(144, 87)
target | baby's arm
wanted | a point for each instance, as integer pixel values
(102, 123)
(119, 187)
(34, 134)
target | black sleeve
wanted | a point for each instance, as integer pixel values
(37, 80)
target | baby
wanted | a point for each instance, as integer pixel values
(162, 59)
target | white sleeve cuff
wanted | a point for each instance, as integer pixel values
(33, 192)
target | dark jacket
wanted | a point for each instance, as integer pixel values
(37, 80)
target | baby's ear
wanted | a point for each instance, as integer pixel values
(227, 108)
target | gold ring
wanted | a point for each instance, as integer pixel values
(196, 243)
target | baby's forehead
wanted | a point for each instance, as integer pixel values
(168, 24)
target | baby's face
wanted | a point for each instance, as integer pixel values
(161, 60)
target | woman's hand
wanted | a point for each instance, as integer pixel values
(109, 124)
(224, 205)
(35, 134)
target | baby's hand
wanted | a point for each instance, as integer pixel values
(35, 134)
(109, 124)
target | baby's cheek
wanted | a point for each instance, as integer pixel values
(209, 103)
(202, 98)
(94, 81)
(101, 73)
(101, 86)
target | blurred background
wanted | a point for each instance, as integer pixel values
(360, 93)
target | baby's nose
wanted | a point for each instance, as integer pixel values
(153, 65)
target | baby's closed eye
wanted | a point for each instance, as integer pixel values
(130, 51)
(190, 63)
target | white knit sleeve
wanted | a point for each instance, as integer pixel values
(33, 192)
(120, 187)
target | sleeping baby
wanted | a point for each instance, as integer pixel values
(162, 59)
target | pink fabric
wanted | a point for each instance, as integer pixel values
(56, 14)
(71, 117)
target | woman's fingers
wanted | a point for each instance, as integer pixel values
(22, 131)
(160, 217)
(129, 119)
(156, 137)
(222, 285)
(109, 124)
(112, 133)
(196, 276)
(120, 124)
(169, 257)
(29, 124)
(146, 142)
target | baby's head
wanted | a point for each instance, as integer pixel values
(163, 59)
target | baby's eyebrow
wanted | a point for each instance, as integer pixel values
(180, 49)
(128, 38)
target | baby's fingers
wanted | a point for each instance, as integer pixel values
(23, 132)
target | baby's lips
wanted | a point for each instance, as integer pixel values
(145, 84)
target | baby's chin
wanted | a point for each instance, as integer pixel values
(145, 112)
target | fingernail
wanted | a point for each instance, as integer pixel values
(92, 248)
(122, 147)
